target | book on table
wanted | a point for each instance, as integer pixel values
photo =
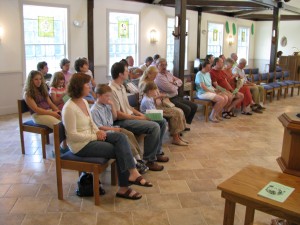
(154, 114)
(276, 191)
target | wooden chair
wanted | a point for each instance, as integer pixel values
(206, 103)
(268, 90)
(283, 85)
(274, 84)
(72, 162)
(30, 126)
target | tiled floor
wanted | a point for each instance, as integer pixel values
(183, 194)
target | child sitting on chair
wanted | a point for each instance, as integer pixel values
(150, 92)
(104, 113)
(58, 89)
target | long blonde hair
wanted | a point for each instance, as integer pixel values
(144, 77)
(57, 76)
(31, 90)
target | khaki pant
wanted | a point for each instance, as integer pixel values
(46, 120)
(134, 145)
(257, 93)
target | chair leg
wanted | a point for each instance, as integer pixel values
(292, 92)
(114, 175)
(206, 112)
(96, 185)
(60, 192)
(22, 142)
(43, 137)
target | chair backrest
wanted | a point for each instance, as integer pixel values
(256, 78)
(22, 106)
(271, 77)
(254, 71)
(247, 70)
(286, 74)
(264, 77)
(278, 75)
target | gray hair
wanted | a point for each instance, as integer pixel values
(243, 61)
(158, 61)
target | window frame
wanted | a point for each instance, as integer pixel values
(248, 47)
(222, 46)
(67, 32)
(136, 59)
(186, 43)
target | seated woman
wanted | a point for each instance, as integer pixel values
(205, 90)
(86, 140)
(57, 89)
(42, 109)
(175, 115)
(247, 101)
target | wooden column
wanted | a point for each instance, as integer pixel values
(274, 42)
(90, 31)
(179, 46)
(199, 34)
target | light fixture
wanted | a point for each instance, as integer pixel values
(1, 33)
(230, 40)
(153, 36)
(77, 23)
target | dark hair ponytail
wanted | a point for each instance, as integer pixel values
(203, 64)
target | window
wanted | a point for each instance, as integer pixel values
(45, 36)
(123, 37)
(215, 39)
(243, 42)
(170, 44)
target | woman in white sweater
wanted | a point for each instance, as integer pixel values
(86, 140)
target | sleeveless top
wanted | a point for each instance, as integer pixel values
(41, 102)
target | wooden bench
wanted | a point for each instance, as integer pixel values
(243, 188)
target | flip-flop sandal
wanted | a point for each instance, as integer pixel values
(231, 114)
(126, 195)
(138, 182)
(225, 115)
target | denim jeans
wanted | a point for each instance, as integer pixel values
(189, 108)
(114, 147)
(154, 135)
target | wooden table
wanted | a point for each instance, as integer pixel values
(243, 188)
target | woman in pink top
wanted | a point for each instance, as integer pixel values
(65, 67)
(58, 89)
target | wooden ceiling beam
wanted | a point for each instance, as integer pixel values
(269, 17)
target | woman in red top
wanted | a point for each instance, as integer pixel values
(231, 78)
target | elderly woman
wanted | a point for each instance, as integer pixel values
(175, 115)
(231, 78)
(86, 140)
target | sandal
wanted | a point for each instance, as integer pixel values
(247, 113)
(214, 120)
(225, 115)
(126, 195)
(231, 114)
(138, 182)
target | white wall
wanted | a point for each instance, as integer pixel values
(289, 29)
(227, 49)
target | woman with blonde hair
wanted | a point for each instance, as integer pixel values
(177, 122)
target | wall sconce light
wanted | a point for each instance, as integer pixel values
(153, 36)
(1, 33)
(78, 24)
(176, 32)
(230, 40)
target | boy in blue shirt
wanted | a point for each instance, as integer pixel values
(104, 113)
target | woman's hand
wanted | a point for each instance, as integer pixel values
(101, 135)
(56, 114)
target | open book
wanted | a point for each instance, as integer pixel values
(154, 114)
(276, 191)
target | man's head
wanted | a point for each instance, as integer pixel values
(103, 92)
(234, 56)
(81, 65)
(161, 65)
(210, 58)
(148, 61)
(119, 71)
(42, 67)
(218, 63)
(130, 60)
(242, 63)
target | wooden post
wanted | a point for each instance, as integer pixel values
(179, 46)
(90, 31)
(274, 42)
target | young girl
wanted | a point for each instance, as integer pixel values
(150, 92)
(42, 109)
(58, 89)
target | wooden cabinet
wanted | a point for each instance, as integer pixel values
(292, 64)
